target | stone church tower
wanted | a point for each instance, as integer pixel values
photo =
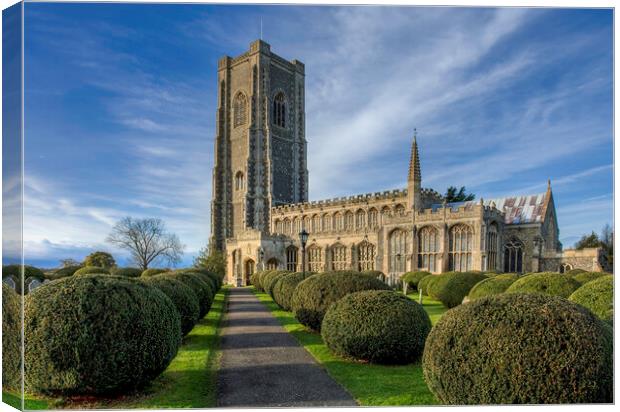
(260, 145)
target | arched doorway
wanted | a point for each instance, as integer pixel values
(248, 271)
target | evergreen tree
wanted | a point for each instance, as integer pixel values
(458, 195)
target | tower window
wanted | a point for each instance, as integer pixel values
(279, 110)
(239, 181)
(240, 109)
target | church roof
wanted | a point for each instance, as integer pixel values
(517, 209)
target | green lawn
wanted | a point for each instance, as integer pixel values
(370, 385)
(188, 382)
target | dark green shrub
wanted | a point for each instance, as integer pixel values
(519, 348)
(215, 280)
(598, 296)
(255, 281)
(127, 272)
(15, 272)
(96, 334)
(425, 283)
(375, 273)
(11, 338)
(285, 287)
(314, 295)
(100, 259)
(573, 272)
(185, 300)
(89, 270)
(413, 278)
(153, 272)
(201, 288)
(548, 283)
(377, 326)
(63, 272)
(213, 284)
(269, 280)
(492, 286)
(261, 278)
(450, 288)
(585, 277)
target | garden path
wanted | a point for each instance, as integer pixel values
(263, 365)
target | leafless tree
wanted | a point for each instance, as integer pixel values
(147, 241)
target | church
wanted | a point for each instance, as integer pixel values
(260, 199)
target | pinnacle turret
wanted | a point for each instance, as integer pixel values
(414, 163)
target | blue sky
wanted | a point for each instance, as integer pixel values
(120, 109)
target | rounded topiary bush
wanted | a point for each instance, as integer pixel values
(575, 272)
(270, 279)
(451, 288)
(11, 338)
(585, 277)
(89, 270)
(214, 279)
(285, 287)
(213, 285)
(374, 273)
(96, 334)
(201, 288)
(127, 272)
(254, 280)
(492, 286)
(184, 299)
(63, 272)
(153, 272)
(425, 283)
(314, 295)
(413, 278)
(261, 279)
(548, 283)
(519, 348)
(376, 326)
(598, 296)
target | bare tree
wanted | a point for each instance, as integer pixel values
(147, 240)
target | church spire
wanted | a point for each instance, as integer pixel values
(414, 162)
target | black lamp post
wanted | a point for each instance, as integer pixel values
(303, 238)
(398, 256)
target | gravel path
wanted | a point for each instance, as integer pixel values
(263, 365)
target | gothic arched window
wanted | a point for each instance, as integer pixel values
(373, 218)
(316, 224)
(513, 256)
(360, 219)
(398, 251)
(339, 257)
(428, 248)
(287, 226)
(349, 220)
(279, 110)
(314, 259)
(239, 181)
(385, 213)
(291, 258)
(338, 221)
(327, 222)
(240, 109)
(461, 246)
(366, 254)
(272, 264)
(492, 238)
(399, 210)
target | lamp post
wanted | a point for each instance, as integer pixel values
(398, 256)
(303, 238)
(261, 254)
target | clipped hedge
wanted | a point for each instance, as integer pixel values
(586, 277)
(573, 272)
(96, 334)
(127, 272)
(285, 287)
(413, 278)
(492, 286)
(198, 285)
(519, 349)
(450, 288)
(11, 338)
(261, 278)
(548, 283)
(376, 326)
(425, 283)
(374, 273)
(314, 295)
(598, 296)
(89, 270)
(184, 299)
(215, 279)
(270, 279)
(254, 280)
(153, 272)
(63, 272)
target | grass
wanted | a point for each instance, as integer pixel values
(369, 384)
(30, 402)
(188, 382)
